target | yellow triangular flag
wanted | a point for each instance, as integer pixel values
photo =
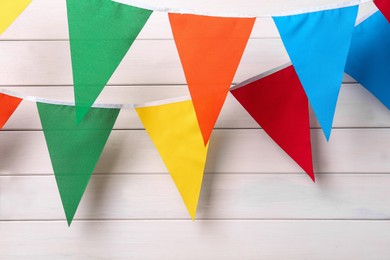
(10, 10)
(175, 132)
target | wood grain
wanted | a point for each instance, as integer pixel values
(224, 196)
(356, 107)
(231, 151)
(184, 239)
(47, 19)
(147, 62)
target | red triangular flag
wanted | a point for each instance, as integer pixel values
(8, 105)
(279, 105)
(210, 49)
(384, 7)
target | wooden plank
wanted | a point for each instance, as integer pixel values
(148, 62)
(231, 151)
(223, 196)
(200, 240)
(356, 107)
(246, 8)
(47, 19)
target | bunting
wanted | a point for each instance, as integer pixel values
(369, 56)
(318, 45)
(101, 32)
(9, 11)
(8, 105)
(74, 148)
(174, 131)
(384, 7)
(210, 49)
(279, 105)
(321, 45)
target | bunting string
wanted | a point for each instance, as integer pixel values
(36, 99)
(155, 6)
(96, 105)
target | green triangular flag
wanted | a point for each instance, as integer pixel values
(100, 32)
(74, 148)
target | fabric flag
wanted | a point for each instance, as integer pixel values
(384, 7)
(318, 45)
(74, 148)
(369, 56)
(101, 32)
(279, 105)
(8, 105)
(210, 49)
(9, 11)
(175, 132)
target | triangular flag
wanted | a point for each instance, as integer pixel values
(74, 148)
(279, 105)
(318, 45)
(174, 131)
(369, 56)
(101, 32)
(210, 50)
(8, 105)
(9, 11)
(384, 7)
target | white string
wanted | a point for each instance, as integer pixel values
(260, 76)
(156, 7)
(103, 105)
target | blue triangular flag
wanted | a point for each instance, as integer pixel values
(318, 45)
(369, 56)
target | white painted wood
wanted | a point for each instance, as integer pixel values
(231, 151)
(356, 106)
(246, 8)
(279, 213)
(232, 239)
(147, 62)
(53, 24)
(47, 19)
(223, 196)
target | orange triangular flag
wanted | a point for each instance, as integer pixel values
(8, 105)
(210, 49)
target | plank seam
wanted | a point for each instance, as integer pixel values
(100, 174)
(197, 220)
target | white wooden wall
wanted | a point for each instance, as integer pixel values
(255, 203)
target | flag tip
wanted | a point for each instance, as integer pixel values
(69, 217)
(206, 138)
(327, 133)
(192, 213)
(310, 173)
